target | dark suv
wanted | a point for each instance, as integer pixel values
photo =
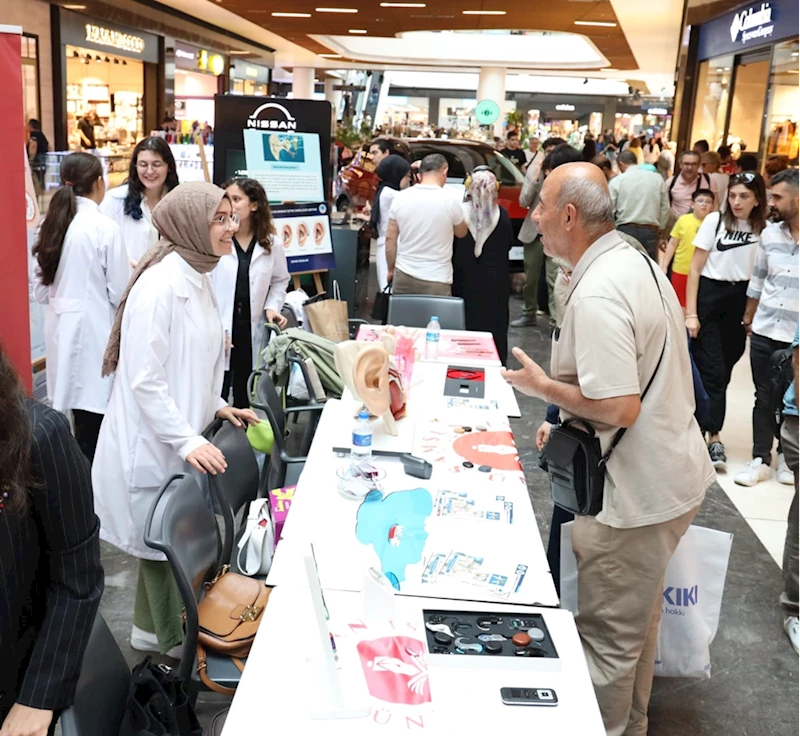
(357, 182)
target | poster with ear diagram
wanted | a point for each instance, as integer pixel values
(287, 164)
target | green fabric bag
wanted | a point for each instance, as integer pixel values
(261, 436)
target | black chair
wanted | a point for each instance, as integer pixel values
(416, 310)
(238, 485)
(282, 469)
(182, 525)
(102, 691)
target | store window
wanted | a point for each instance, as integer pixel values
(749, 93)
(784, 103)
(30, 76)
(711, 105)
(104, 99)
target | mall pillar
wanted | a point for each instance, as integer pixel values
(332, 95)
(302, 83)
(492, 86)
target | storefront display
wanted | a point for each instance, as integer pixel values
(747, 64)
(107, 69)
(249, 79)
(199, 75)
(406, 116)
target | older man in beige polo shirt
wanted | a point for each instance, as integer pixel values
(613, 332)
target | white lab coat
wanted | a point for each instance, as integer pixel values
(166, 391)
(269, 279)
(138, 235)
(91, 277)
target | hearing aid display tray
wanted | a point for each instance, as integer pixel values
(469, 383)
(490, 640)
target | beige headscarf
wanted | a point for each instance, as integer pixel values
(182, 219)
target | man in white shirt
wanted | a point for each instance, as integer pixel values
(622, 330)
(419, 239)
(533, 149)
(641, 205)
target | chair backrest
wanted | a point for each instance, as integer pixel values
(265, 397)
(182, 525)
(102, 690)
(238, 485)
(416, 310)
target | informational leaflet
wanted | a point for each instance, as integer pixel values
(305, 231)
(288, 165)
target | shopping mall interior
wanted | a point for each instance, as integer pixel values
(454, 77)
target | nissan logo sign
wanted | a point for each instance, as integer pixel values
(288, 123)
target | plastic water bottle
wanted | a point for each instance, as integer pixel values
(432, 339)
(362, 438)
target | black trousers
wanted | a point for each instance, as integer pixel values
(241, 365)
(721, 341)
(87, 430)
(647, 236)
(765, 427)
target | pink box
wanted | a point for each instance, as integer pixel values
(280, 501)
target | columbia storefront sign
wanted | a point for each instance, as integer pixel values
(272, 116)
(752, 23)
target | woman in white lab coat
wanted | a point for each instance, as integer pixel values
(166, 347)
(152, 175)
(250, 284)
(83, 271)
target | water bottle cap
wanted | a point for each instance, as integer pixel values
(363, 414)
(434, 319)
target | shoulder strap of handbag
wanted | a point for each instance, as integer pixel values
(621, 432)
(202, 666)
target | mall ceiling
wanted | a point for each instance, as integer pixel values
(373, 18)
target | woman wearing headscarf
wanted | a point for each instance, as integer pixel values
(480, 260)
(166, 347)
(394, 175)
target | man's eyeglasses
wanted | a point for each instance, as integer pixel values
(227, 221)
(155, 165)
(746, 177)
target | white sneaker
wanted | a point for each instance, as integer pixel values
(785, 475)
(146, 641)
(792, 628)
(754, 472)
(143, 641)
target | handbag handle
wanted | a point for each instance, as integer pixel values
(621, 432)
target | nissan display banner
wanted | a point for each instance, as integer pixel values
(286, 145)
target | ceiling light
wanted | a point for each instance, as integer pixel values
(291, 15)
(794, 53)
(603, 23)
(75, 7)
(483, 12)
(239, 53)
(107, 60)
(116, 61)
(727, 69)
(76, 54)
(98, 59)
(357, 30)
(331, 56)
(336, 10)
(403, 5)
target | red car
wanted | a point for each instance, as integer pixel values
(357, 181)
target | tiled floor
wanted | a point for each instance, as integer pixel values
(753, 688)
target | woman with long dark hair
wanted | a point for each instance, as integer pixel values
(151, 175)
(250, 283)
(83, 270)
(716, 294)
(50, 569)
(394, 173)
(166, 347)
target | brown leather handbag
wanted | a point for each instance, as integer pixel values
(229, 616)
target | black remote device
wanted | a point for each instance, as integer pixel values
(416, 466)
(528, 696)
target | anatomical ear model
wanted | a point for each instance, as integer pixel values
(365, 370)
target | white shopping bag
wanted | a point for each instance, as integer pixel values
(691, 601)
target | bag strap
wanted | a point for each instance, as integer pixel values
(202, 666)
(621, 432)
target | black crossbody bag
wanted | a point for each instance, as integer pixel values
(574, 459)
